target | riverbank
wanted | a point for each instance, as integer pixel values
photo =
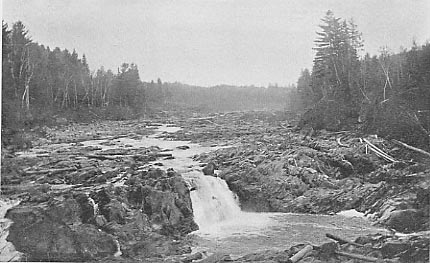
(88, 192)
(274, 167)
(92, 182)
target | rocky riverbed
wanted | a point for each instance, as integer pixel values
(275, 167)
(81, 202)
(87, 191)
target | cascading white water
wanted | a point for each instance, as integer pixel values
(7, 250)
(216, 208)
(224, 228)
(213, 202)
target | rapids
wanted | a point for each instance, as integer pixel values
(223, 227)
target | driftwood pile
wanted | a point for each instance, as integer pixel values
(376, 248)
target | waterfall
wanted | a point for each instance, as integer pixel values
(213, 202)
(7, 250)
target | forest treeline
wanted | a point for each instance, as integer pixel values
(388, 94)
(223, 98)
(40, 85)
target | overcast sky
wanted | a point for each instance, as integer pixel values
(208, 42)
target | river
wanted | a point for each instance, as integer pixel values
(224, 228)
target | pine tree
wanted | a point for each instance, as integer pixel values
(336, 60)
(6, 50)
(8, 92)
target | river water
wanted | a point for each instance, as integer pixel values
(223, 227)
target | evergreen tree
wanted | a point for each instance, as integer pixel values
(336, 61)
(8, 91)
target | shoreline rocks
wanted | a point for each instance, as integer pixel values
(324, 178)
(82, 203)
(140, 218)
(113, 203)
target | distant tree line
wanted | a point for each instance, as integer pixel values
(40, 85)
(223, 98)
(388, 94)
(38, 82)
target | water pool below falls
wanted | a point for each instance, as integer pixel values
(223, 227)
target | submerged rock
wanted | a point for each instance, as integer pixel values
(183, 147)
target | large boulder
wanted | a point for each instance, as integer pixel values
(48, 234)
(209, 169)
(408, 220)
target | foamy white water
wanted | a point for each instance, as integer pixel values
(223, 227)
(213, 202)
(7, 250)
(351, 213)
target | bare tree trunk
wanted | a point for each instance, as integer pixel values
(26, 94)
(387, 79)
(76, 95)
(103, 94)
(26, 72)
(66, 99)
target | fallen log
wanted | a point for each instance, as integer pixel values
(342, 240)
(120, 136)
(106, 153)
(50, 171)
(366, 258)
(100, 157)
(378, 151)
(358, 256)
(411, 148)
(332, 250)
(159, 155)
(301, 254)
(339, 132)
(341, 144)
(211, 122)
(388, 158)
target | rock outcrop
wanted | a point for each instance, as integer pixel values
(140, 218)
(278, 169)
(209, 169)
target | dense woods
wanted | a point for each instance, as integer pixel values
(388, 94)
(41, 84)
